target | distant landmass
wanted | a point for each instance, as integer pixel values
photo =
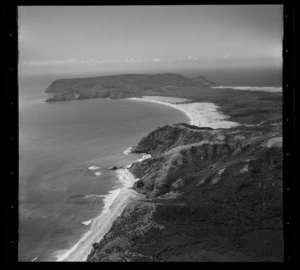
(124, 86)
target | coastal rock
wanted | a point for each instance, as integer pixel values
(202, 79)
(112, 168)
(92, 93)
(62, 97)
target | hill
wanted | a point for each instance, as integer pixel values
(210, 195)
(122, 86)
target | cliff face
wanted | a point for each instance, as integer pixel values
(122, 86)
(211, 195)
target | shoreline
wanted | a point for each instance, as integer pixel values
(201, 114)
(114, 203)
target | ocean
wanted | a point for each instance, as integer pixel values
(242, 78)
(65, 149)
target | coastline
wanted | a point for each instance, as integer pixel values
(201, 114)
(115, 202)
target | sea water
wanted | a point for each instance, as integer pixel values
(65, 149)
(255, 78)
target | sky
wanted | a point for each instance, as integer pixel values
(112, 39)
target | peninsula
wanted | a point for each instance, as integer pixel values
(124, 86)
(212, 189)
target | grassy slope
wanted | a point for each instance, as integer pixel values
(212, 195)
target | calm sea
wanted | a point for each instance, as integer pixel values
(64, 149)
(243, 77)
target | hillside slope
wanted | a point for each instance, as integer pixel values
(210, 195)
(122, 86)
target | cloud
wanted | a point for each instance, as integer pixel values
(86, 62)
(226, 56)
(67, 62)
(133, 60)
(188, 58)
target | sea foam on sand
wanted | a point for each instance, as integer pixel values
(93, 168)
(86, 223)
(114, 203)
(202, 114)
(128, 151)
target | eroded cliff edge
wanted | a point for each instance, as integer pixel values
(210, 195)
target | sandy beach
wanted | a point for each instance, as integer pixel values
(115, 202)
(202, 114)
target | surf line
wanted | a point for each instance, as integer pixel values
(114, 203)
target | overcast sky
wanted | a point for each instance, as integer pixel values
(124, 38)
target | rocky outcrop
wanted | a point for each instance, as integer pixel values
(62, 97)
(210, 195)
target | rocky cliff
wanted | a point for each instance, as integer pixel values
(122, 86)
(210, 195)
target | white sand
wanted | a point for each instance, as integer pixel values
(201, 114)
(115, 203)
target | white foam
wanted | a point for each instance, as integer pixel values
(126, 177)
(93, 168)
(97, 173)
(86, 223)
(251, 88)
(94, 196)
(144, 157)
(129, 166)
(127, 151)
(109, 199)
(114, 203)
(64, 254)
